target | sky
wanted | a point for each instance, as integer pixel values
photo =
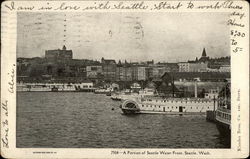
(163, 37)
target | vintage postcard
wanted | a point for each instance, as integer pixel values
(125, 79)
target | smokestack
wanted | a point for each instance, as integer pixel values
(195, 89)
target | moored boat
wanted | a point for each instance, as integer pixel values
(223, 121)
(53, 87)
(223, 113)
(102, 91)
(175, 106)
(130, 95)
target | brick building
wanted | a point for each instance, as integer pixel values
(94, 72)
(108, 69)
(59, 54)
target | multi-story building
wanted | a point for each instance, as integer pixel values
(108, 69)
(158, 71)
(124, 71)
(139, 73)
(129, 73)
(94, 71)
(198, 67)
(225, 68)
(120, 71)
(169, 67)
(183, 67)
(192, 67)
(149, 73)
(59, 54)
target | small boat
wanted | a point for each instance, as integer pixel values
(108, 94)
(102, 91)
(116, 97)
(54, 89)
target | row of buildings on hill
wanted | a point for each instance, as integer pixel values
(59, 64)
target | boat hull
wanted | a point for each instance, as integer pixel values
(129, 111)
(171, 107)
(224, 129)
(117, 99)
(125, 111)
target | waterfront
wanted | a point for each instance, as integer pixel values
(87, 120)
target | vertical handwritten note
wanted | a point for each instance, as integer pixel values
(237, 31)
(5, 106)
(5, 124)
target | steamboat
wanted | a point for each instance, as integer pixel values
(171, 105)
(174, 106)
(55, 87)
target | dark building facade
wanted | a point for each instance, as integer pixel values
(59, 54)
(108, 69)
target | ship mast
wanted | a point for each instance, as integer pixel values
(173, 86)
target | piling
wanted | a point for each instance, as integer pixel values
(210, 116)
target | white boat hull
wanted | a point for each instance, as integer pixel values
(171, 107)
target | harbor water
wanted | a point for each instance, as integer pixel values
(88, 120)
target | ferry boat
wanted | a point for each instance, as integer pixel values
(175, 106)
(223, 113)
(44, 87)
(50, 87)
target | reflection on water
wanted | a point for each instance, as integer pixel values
(87, 120)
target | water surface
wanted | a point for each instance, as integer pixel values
(86, 120)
